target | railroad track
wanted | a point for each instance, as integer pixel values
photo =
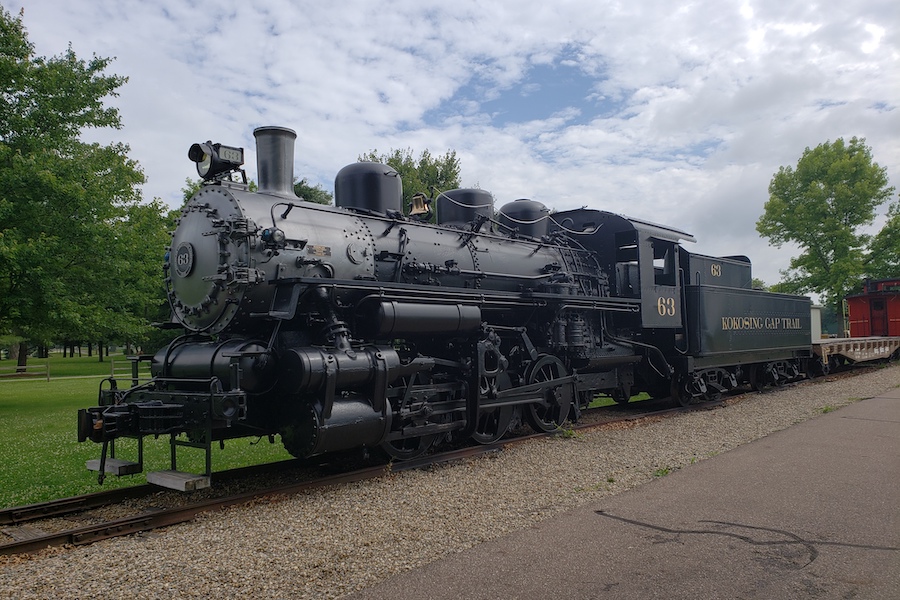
(15, 520)
(62, 507)
(157, 518)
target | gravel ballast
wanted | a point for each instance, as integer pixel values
(330, 542)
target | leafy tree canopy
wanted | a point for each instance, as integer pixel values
(758, 284)
(302, 188)
(191, 187)
(883, 261)
(312, 193)
(47, 102)
(822, 205)
(76, 242)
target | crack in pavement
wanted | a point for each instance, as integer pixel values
(811, 546)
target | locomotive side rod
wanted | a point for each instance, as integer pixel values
(525, 394)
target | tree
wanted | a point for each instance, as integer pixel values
(822, 206)
(302, 189)
(76, 241)
(312, 193)
(191, 187)
(758, 284)
(425, 174)
(883, 260)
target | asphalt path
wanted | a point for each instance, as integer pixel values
(808, 512)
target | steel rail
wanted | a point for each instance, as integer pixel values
(64, 506)
(155, 519)
(18, 515)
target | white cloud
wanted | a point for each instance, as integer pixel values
(691, 111)
(877, 34)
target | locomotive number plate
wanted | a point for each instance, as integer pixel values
(184, 259)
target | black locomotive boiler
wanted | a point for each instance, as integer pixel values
(357, 326)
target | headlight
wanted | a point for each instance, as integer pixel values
(215, 159)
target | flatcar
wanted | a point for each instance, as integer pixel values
(360, 327)
(872, 331)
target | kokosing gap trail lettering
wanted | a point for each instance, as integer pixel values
(760, 323)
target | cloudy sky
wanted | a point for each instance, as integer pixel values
(673, 112)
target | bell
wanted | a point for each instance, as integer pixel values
(419, 205)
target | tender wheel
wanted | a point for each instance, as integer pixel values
(757, 378)
(712, 396)
(717, 380)
(408, 448)
(835, 363)
(492, 424)
(552, 412)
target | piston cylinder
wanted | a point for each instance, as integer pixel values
(352, 423)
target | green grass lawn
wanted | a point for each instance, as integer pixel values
(41, 459)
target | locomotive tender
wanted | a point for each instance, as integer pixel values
(356, 326)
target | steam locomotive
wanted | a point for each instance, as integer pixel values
(359, 326)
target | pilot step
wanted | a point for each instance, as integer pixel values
(178, 480)
(116, 466)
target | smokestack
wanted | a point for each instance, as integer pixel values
(275, 160)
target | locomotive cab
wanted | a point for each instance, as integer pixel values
(644, 257)
(647, 268)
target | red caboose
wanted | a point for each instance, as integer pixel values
(875, 312)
